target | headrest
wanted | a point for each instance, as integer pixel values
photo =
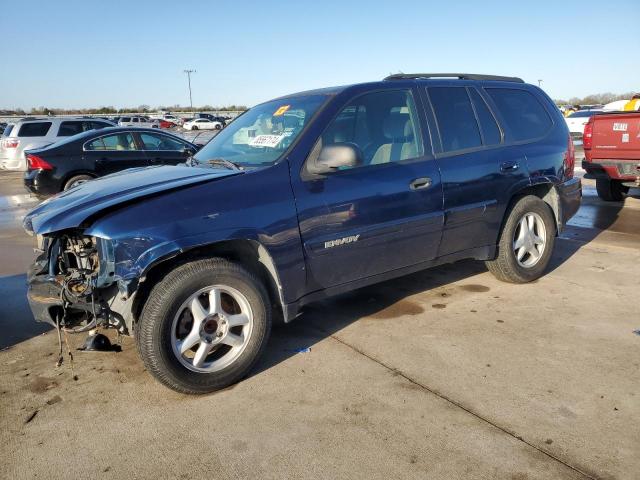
(395, 126)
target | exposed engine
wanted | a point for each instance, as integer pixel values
(75, 261)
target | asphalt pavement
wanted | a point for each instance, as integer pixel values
(444, 374)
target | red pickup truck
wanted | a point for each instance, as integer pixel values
(612, 153)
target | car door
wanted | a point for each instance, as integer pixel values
(113, 153)
(162, 149)
(379, 216)
(470, 159)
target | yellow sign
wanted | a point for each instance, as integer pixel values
(281, 110)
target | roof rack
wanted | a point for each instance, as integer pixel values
(461, 76)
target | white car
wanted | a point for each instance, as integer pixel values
(202, 124)
(577, 120)
(144, 122)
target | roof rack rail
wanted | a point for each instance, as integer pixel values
(461, 76)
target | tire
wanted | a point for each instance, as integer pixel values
(194, 128)
(610, 190)
(76, 180)
(218, 127)
(158, 331)
(507, 266)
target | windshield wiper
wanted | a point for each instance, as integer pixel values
(226, 163)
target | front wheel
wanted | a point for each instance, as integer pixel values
(194, 128)
(610, 190)
(526, 242)
(204, 326)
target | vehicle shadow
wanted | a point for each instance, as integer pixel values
(385, 300)
(594, 217)
(16, 321)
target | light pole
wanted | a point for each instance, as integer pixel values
(189, 72)
(539, 82)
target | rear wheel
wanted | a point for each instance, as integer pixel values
(204, 326)
(76, 180)
(526, 242)
(610, 190)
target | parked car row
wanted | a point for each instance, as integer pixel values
(33, 132)
(300, 198)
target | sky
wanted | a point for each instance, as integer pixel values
(90, 53)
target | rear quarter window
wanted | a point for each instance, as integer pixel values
(524, 115)
(7, 130)
(70, 128)
(34, 129)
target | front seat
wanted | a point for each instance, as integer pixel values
(398, 129)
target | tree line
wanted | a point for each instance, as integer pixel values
(596, 99)
(110, 110)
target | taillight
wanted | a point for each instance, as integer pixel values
(570, 159)
(587, 135)
(37, 163)
(11, 143)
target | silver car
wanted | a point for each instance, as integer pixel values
(31, 133)
(138, 121)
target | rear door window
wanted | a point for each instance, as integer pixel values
(117, 142)
(34, 129)
(524, 115)
(490, 131)
(456, 121)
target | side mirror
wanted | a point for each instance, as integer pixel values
(333, 157)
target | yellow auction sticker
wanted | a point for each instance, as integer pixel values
(281, 110)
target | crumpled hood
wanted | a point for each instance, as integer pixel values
(71, 208)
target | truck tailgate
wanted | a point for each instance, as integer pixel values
(616, 136)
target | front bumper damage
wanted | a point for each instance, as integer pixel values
(72, 284)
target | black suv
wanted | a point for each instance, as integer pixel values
(302, 197)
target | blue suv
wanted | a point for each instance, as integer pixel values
(299, 198)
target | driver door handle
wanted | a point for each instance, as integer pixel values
(420, 183)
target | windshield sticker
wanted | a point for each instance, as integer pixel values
(266, 141)
(281, 110)
(619, 127)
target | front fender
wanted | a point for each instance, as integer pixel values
(257, 206)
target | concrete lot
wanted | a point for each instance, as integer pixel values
(443, 374)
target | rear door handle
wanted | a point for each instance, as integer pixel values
(419, 183)
(509, 166)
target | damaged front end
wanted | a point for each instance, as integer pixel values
(72, 283)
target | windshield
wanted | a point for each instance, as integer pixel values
(261, 135)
